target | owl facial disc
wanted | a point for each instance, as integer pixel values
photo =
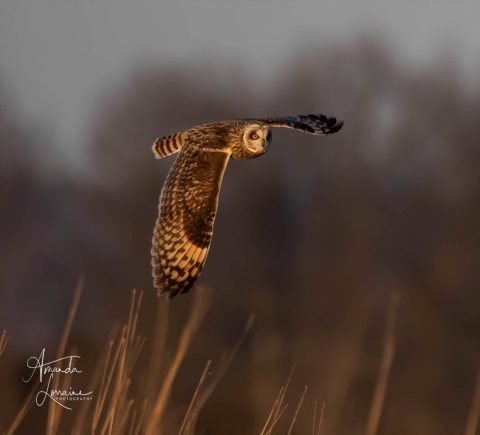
(257, 138)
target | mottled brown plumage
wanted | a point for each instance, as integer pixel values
(189, 198)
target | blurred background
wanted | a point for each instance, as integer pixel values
(313, 237)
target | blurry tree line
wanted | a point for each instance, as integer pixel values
(312, 237)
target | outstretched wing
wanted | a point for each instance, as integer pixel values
(188, 205)
(314, 124)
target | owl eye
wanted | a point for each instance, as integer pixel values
(255, 136)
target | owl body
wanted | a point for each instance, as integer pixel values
(189, 198)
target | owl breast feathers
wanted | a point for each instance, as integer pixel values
(189, 198)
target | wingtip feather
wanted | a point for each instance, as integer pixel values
(336, 125)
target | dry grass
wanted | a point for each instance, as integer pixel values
(297, 410)
(389, 345)
(206, 387)
(200, 307)
(277, 409)
(115, 412)
(321, 421)
(55, 412)
(3, 341)
(474, 413)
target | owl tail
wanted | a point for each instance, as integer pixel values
(164, 146)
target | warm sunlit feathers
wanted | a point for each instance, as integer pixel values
(189, 199)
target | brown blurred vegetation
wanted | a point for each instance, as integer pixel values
(312, 238)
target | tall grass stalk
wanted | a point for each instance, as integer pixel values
(389, 345)
(201, 305)
(474, 413)
(3, 341)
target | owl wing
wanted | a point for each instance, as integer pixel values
(313, 124)
(183, 231)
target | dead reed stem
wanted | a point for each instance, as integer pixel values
(141, 418)
(277, 407)
(321, 422)
(206, 392)
(276, 420)
(3, 342)
(347, 351)
(157, 355)
(66, 382)
(271, 412)
(54, 411)
(389, 344)
(200, 307)
(283, 393)
(322, 427)
(297, 410)
(116, 376)
(79, 422)
(474, 412)
(104, 389)
(192, 402)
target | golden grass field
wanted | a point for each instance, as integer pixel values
(115, 410)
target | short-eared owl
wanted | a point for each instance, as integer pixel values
(189, 198)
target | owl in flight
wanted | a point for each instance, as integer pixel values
(189, 198)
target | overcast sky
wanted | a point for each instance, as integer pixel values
(56, 55)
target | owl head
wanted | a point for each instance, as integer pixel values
(252, 140)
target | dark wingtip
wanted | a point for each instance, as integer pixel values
(336, 125)
(324, 124)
